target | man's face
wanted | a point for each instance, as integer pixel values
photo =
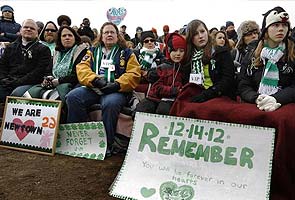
(29, 30)
(50, 33)
(7, 14)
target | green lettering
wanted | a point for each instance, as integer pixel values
(216, 154)
(190, 146)
(163, 143)
(202, 153)
(147, 139)
(178, 148)
(228, 157)
(246, 156)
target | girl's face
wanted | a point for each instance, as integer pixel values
(276, 33)
(67, 38)
(177, 55)
(220, 39)
(200, 38)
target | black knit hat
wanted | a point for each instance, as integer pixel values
(275, 15)
(146, 34)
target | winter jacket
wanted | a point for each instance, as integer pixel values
(9, 28)
(164, 87)
(127, 70)
(25, 65)
(221, 72)
(251, 77)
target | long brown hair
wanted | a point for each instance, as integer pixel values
(190, 33)
(121, 41)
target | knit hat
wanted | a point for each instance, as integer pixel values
(275, 15)
(139, 29)
(244, 28)
(173, 42)
(62, 18)
(229, 23)
(165, 28)
(145, 35)
(6, 8)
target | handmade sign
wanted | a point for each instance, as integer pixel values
(115, 15)
(85, 140)
(188, 159)
(30, 124)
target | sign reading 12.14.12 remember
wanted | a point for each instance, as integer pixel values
(190, 159)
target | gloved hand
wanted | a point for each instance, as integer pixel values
(271, 107)
(267, 103)
(99, 82)
(110, 88)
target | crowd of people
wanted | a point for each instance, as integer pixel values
(254, 65)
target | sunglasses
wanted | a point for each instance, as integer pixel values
(51, 30)
(147, 41)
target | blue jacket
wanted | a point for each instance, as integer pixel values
(9, 28)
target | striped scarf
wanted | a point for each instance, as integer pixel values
(269, 81)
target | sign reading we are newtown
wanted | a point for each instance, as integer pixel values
(30, 124)
(181, 158)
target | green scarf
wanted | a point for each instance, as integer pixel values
(98, 55)
(63, 65)
(197, 65)
(270, 78)
(147, 57)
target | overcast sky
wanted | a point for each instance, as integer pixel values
(150, 13)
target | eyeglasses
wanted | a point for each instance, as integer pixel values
(51, 30)
(147, 41)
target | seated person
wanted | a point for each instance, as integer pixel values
(110, 72)
(268, 79)
(24, 62)
(162, 93)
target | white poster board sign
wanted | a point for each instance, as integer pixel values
(30, 124)
(190, 159)
(84, 140)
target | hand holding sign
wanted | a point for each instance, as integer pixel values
(115, 15)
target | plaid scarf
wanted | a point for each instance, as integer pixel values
(147, 57)
(269, 81)
(63, 65)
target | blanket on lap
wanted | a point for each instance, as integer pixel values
(225, 109)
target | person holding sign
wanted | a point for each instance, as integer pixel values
(268, 76)
(110, 72)
(163, 92)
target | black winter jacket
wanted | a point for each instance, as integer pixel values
(24, 65)
(251, 77)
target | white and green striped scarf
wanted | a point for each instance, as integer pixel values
(269, 81)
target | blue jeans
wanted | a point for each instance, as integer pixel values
(80, 99)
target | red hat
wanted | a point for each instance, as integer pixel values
(173, 42)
